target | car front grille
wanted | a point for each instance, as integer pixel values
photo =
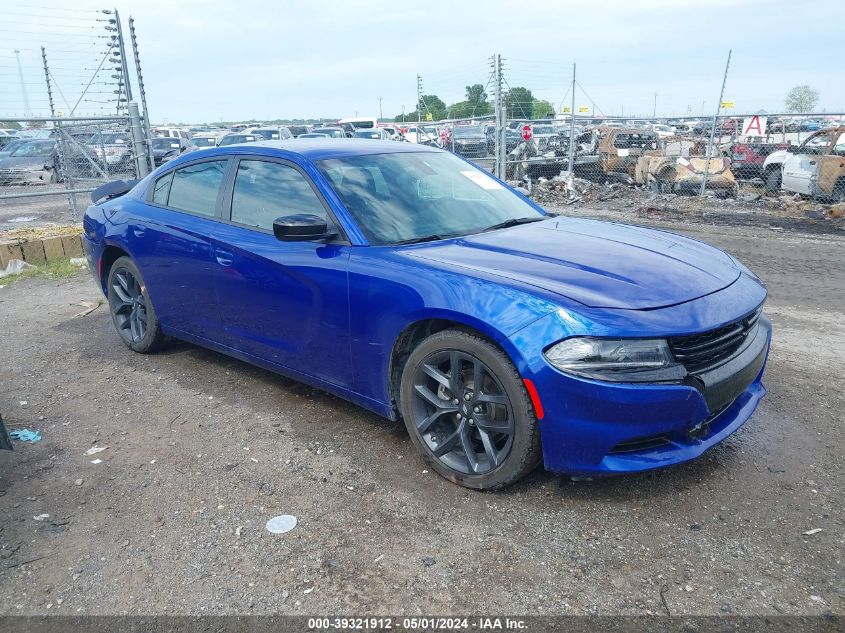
(698, 352)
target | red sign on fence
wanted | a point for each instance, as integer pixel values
(526, 132)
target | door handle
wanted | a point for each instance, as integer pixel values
(223, 258)
(139, 231)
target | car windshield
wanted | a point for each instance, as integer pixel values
(543, 129)
(34, 149)
(268, 135)
(366, 134)
(165, 143)
(414, 196)
(204, 141)
(238, 138)
(328, 131)
(465, 131)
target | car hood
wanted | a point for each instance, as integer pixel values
(25, 162)
(598, 264)
(776, 158)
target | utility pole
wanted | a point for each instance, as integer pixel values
(654, 113)
(571, 146)
(419, 106)
(500, 168)
(142, 92)
(123, 64)
(26, 108)
(713, 128)
(380, 113)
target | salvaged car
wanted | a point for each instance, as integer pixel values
(679, 167)
(613, 151)
(31, 163)
(165, 149)
(748, 156)
(469, 141)
(416, 285)
(814, 168)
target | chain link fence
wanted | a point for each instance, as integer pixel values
(48, 161)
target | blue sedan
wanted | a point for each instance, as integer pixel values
(408, 281)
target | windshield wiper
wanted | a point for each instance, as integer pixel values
(424, 238)
(514, 222)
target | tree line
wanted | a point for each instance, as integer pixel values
(519, 104)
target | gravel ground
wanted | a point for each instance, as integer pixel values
(203, 450)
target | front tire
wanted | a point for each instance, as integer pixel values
(467, 411)
(131, 308)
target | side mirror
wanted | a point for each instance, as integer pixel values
(303, 227)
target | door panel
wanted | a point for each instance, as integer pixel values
(173, 252)
(284, 302)
(798, 171)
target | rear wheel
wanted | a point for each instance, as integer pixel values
(131, 309)
(773, 179)
(467, 411)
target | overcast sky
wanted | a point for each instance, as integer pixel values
(210, 60)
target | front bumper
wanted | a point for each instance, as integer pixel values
(601, 428)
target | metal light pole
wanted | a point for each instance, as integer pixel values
(571, 149)
(713, 129)
(26, 109)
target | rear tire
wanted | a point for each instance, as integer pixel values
(467, 411)
(773, 180)
(131, 308)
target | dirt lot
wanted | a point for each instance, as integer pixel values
(203, 450)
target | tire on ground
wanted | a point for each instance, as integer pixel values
(153, 338)
(525, 454)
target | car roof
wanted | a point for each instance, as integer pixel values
(319, 149)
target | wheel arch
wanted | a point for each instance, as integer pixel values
(111, 253)
(416, 331)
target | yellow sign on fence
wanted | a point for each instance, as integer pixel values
(566, 109)
(583, 109)
(728, 105)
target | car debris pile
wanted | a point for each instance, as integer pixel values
(556, 194)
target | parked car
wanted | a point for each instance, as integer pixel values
(113, 151)
(171, 132)
(662, 130)
(203, 140)
(10, 147)
(296, 130)
(331, 132)
(271, 133)
(395, 134)
(236, 138)
(6, 140)
(814, 168)
(810, 125)
(419, 287)
(377, 134)
(747, 157)
(166, 149)
(680, 167)
(418, 134)
(34, 162)
(613, 151)
(469, 141)
(314, 135)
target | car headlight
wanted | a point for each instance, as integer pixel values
(616, 360)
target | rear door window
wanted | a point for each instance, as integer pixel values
(194, 188)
